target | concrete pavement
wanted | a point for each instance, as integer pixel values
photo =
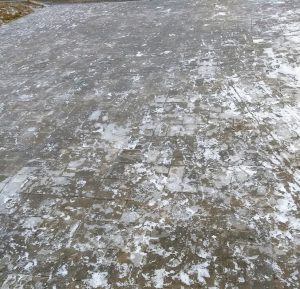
(151, 144)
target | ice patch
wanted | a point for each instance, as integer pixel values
(12, 187)
(185, 279)
(202, 271)
(98, 280)
(286, 204)
(115, 135)
(32, 222)
(258, 40)
(62, 271)
(286, 70)
(73, 165)
(220, 14)
(95, 115)
(129, 217)
(158, 278)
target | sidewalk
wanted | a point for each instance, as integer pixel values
(151, 144)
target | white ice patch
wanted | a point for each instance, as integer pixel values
(129, 217)
(269, 52)
(115, 135)
(202, 271)
(72, 231)
(95, 115)
(220, 14)
(209, 147)
(258, 40)
(30, 265)
(31, 129)
(207, 69)
(291, 72)
(11, 187)
(73, 165)
(32, 222)
(176, 181)
(1, 107)
(184, 278)
(98, 279)
(203, 254)
(63, 270)
(158, 278)
(286, 204)
(278, 55)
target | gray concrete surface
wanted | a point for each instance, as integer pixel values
(151, 144)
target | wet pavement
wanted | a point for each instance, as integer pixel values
(151, 144)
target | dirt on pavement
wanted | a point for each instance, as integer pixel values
(10, 11)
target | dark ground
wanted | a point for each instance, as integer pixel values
(10, 11)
